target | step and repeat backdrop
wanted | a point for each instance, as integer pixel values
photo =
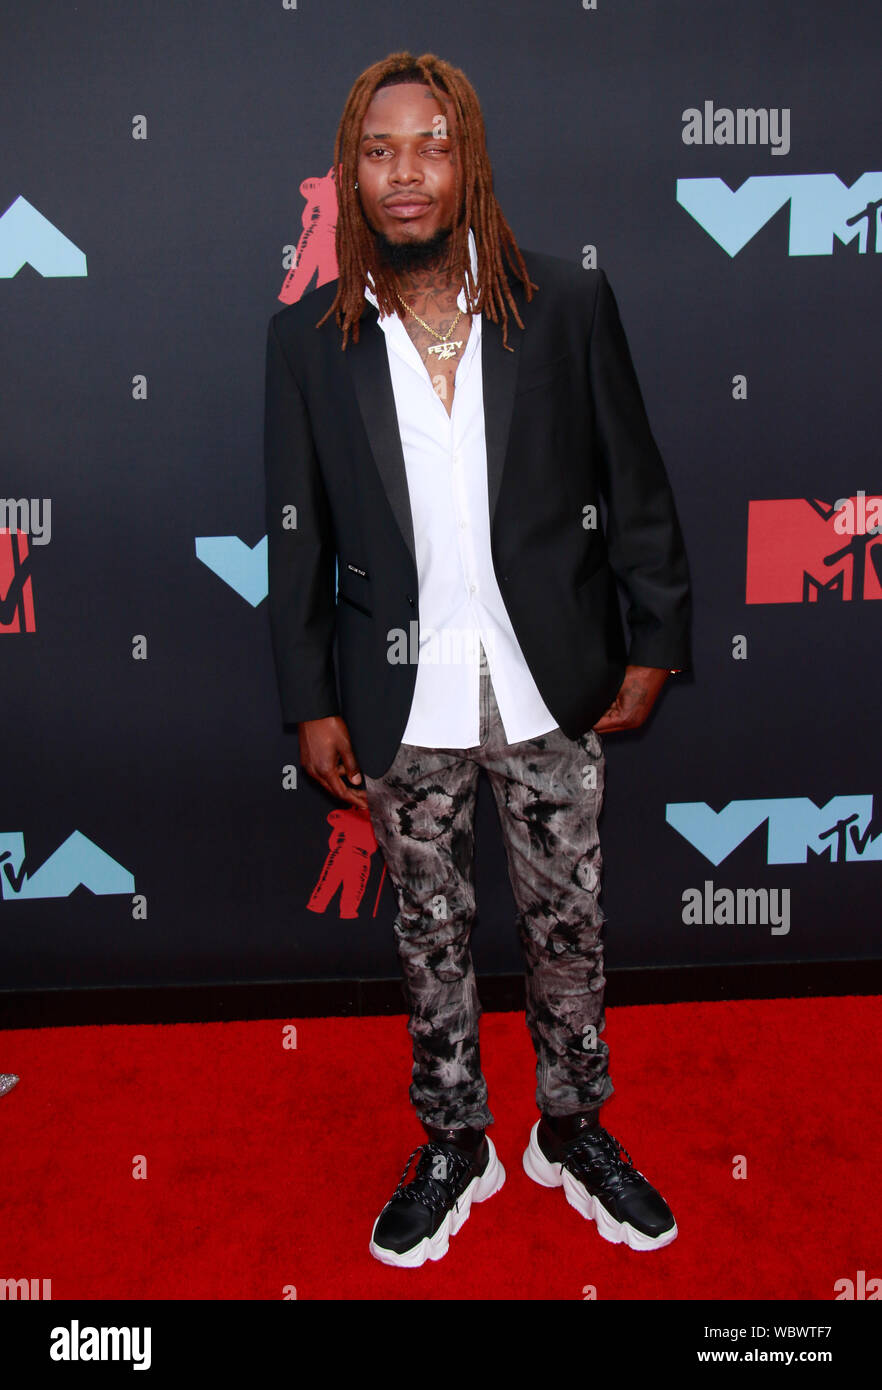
(165, 188)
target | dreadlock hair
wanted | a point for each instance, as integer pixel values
(355, 247)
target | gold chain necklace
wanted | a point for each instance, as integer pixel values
(446, 349)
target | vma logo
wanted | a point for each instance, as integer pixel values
(241, 566)
(822, 208)
(244, 568)
(78, 861)
(29, 238)
(841, 831)
(802, 550)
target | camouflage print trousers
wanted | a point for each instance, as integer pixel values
(548, 792)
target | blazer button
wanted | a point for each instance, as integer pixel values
(410, 600)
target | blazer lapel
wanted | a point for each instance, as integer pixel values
(499, 372)
(369, 368)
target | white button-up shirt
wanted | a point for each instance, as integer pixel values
(460, 603)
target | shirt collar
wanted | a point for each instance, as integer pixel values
(473, 256)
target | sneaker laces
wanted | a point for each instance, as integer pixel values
(615, 1174)
(430, 1191)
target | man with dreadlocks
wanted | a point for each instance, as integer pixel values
(438, 441)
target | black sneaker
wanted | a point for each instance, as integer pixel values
(416, 1225)
(602, 1185)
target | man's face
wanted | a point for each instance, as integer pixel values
(406, 170)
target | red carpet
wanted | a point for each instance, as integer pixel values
(266, 1167)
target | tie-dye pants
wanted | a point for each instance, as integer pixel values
(548, 792)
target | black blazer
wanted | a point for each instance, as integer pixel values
(565, 425)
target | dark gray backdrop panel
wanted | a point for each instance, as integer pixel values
(173, 765)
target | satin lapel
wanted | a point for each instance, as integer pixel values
(499, 375)
(369, 366)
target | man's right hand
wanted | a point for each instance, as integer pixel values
(326, 754)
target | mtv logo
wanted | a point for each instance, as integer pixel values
(822, 209)
(802, 550)
(16, 587)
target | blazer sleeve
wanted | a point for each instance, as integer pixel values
(301, 551)
(644, 540)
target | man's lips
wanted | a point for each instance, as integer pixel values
(407, 207)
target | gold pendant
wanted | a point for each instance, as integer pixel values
(446, 350)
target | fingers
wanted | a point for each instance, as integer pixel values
(618, 719)
(326, 755)
(338, 788)
(613, 719)
(357, 795)
(332, 782)
(330, 772)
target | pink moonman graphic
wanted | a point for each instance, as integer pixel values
(351, 847)
(316, 253)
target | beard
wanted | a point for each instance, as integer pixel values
(403, 256)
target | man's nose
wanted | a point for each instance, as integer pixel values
(406, 169)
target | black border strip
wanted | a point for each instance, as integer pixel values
(224, 1003)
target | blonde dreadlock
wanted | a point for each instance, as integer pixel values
(356, 252)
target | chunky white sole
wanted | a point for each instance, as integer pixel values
(435, 1247)
(537, 1167)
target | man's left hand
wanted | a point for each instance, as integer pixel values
(637, 695)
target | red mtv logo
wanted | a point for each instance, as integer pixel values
(801, 550)
(16, 590)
